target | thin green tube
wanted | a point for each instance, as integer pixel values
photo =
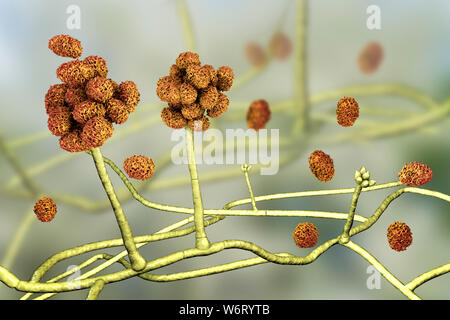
(137, 260)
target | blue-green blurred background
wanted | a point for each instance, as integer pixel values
(140, 40)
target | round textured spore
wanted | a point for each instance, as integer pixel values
(399, 236)
(280, 46)
(321, 165)
(415, 174)
(212, 74)
(185, 59)
(173, 118)
(347, 111)
(258, 114)
(225, 78)
(192, 111)
(96, 131)
(128, 92)
(98, 64)
(370, 57)
(139, 167)
(208, 97)
(188, 94)
(86, 110)
(59, 123)
(198, 76)
(117, 111)
(54, 98)
(75, 96)
(45, 209)
(305, 235)
(72, 142)
(176, 72)
(255, 54)
(220, 107)
(65, 46)
(168, 89)
(100, 89)
(75, 73)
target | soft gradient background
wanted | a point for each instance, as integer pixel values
(140, 40)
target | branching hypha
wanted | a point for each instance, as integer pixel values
(84, 107)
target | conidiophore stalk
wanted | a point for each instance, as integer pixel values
(201, 239)
(138, 262)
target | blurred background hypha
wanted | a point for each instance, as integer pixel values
(258, 39)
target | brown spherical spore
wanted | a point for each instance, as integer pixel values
(72, 142)
(208, 97)
(305, 235)
(173, 118)
(321, 165)
(200, 124)
(347, 111)
(75, 73)
(212, 74)
(370, 57)
(198, 76)
(255, 54)
(54, 98)
(280, 46)
(65, 46)
(45, 209)
(98, 64)
(188, 94)
(225, 78)
(176, 72)
(59, 123)
(96, 131)
(168, 89)
(100, 89)
(258, 114)
(185, 59)
(220, 107)
(192, 111)
(139, 167)
(86, 110)
(399, 236)
(415, 174)
(117, 111)
(75, 96)
(128, 92)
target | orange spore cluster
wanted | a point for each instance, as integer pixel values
(193, 92)
(305, 235)
(84, 107)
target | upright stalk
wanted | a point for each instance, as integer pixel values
(138, 262)
(300, 70)
(345, 236)
(186, 24)
(201, 240)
